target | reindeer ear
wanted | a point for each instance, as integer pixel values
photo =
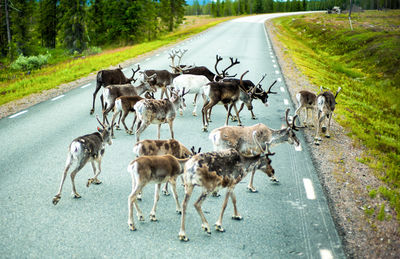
(99, 129)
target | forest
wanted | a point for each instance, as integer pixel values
(33, 30)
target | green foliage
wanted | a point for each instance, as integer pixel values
(373, 193)
(364, 62)
(30, 63)
(381, 213)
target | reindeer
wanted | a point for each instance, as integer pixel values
(83, 149)
(112, 92)
(306, 100)
(110, 77)
(326, 102)
(227, 93)
(158, 169)
(172, 147)
(178, 53)
(216, 170)
(157, 112)
(194, 84)
(123, 106)
(244, 141)
(164, 79)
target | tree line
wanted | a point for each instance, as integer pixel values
(220, 8)
(28, 27)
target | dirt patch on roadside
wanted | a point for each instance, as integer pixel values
(344, 179)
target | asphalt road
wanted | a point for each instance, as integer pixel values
(286, 220)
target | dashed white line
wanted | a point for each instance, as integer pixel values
(275, 65)
(58, 97)
(285, 101)
(277, 72)
(84, 86)
(309, 189)
(326, 254)
(279, 79)
(273, 61)
(157, 54)
(17, 114)
(282, 89)
(147, 59)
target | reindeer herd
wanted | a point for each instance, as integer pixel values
(238, 150)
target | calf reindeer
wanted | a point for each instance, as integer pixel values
(306, 101)
(215, 170)
(158, 112)
(158, 169)
(245, 140)
(83, 149)
(326, 102)
(172, 147)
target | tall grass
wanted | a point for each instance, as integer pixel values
(365, 62)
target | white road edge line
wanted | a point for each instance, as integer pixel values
(282, 89)
(84, 86)
(17, 114)
(285, 101)
(58, 97)
(325, 254)
(309, 189)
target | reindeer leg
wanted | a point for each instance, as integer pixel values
(205, 226)
(158, 130)
(218, 224)
(140, 128)
(227, 116)
(57, 197)
(175, 194)
(236, 214)
(112, 123)
(123, 122)
(132, 199)
(171, 128)
(250, 187)
(133, 123)
(188, 192)
(79, 166)
(237, 114)
(96, 172)
(165, 189)
(94, 98)
(156, 198)
(327, 134)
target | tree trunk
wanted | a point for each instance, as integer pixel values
(8, 28)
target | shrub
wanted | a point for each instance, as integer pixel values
(30, 63)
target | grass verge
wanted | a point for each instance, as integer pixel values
(365, 62)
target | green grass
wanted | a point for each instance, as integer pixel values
(18, 84)
(365, 62)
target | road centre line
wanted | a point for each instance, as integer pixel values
(17, 114)
(84, 86)
(325, 254)
(309, 189)
(58, 97)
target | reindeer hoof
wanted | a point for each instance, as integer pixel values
(323, 129)
(219, 228)
(194, 114)
(153, 217)
(316, 142)
(140, 218)
(205, 129)
(77, 196)
(327, 136)
(179, 212)
(206, 228)
(252, 189)
(183, 238)
(132, 227)
(56, 199)
(117, 127)
(237, 217)
(253, 118)
(273, 179)
(215, 194)
(165, 192)
(91, 112)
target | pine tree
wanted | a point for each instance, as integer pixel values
(72, 24)
(47, 23)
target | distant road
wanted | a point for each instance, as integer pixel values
(286, 220)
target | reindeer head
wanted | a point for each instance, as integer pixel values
(290, 132)
(261, 94)
(105, 131)
(149, 82)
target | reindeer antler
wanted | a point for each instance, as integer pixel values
(224, 74)
(269, 89)
(218, 58)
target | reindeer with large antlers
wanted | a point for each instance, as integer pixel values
(215, 170)
(87, 148)
(245, 140)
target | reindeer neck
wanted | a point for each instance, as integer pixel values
(249, 163)
(278, 136)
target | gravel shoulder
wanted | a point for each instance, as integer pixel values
(344, 179)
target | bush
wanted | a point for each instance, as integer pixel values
(30, 63)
